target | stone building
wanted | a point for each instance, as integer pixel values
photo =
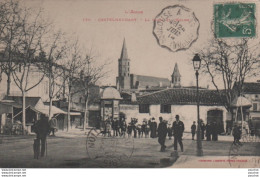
(182, 101)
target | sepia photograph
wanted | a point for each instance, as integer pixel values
(129, 84)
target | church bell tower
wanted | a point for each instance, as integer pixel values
(123, 79)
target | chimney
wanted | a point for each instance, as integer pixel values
(133, 97)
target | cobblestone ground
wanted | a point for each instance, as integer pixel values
(73, 151)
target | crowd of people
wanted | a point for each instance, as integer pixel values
(149, 128)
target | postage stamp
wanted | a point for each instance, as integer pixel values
(108, 149)
(235, 20)
(176, 28)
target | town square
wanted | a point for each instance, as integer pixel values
(136, 85)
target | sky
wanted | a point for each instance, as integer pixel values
(81, 18)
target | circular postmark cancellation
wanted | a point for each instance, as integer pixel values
(176, 28)
(109, 151)
(245, 153)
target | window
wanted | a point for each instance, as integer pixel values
(165, 108)
(144, 108)
(254, 106)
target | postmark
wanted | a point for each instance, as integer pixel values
(109, 151)
(234, 20)
(240, 154)
(176, 28)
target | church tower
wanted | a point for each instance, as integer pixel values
(176, 77)
(123, 79)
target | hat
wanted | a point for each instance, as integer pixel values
(177, 116)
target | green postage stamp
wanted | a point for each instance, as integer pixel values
(234, 20)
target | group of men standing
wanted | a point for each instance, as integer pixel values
(177, 131)
(210, 128)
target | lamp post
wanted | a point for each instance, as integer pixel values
(196, 64)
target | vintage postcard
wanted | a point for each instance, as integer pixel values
(129, 84)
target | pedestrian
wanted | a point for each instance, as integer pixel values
(203, 128)
(123, 128)
(135, 130)
(237, 134)
(143, 127)
(41, 129)
(153, 128)
(147, 131)
(193, 130)
(162, 133)
(129, 130)
(178, 129)
(116, 126)
(139, 130)
(108, 127)
(53, 125)
(169, 130)
(208, 131)
(214, 131)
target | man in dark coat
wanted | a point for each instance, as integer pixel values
(203, 128)
(162, 132)
(193, 130)
(214, 131)
(208, 131)
(42, 129)
(178, 129)
(237, 134)
(153, 128)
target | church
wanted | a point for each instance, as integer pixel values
(127, 81)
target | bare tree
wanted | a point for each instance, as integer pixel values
(32, 31)
(10, 28)
(90, 73)
(72, 65)
(231, 62)
(55, 47)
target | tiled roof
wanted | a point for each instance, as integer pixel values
(29, 101)
(181, 96)
(251, 87)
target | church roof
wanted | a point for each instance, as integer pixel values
(176, 71)
(151, 81)
(182, 96)
(124, 54)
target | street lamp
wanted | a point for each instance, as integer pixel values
(196, 64)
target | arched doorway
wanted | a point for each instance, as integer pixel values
(216, 116)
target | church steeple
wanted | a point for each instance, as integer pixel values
(176, 76)
(124, 51)
(123, 78)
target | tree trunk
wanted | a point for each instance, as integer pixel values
(68, 123)
(85, 123)
(8, 84)
(24, 115)
(50, 108)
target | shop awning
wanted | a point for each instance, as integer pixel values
(45, 110)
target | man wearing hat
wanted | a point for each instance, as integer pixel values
(162, 132)
(178, 129)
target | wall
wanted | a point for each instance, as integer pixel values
(188, 113)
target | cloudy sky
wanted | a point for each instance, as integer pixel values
(81, 17)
